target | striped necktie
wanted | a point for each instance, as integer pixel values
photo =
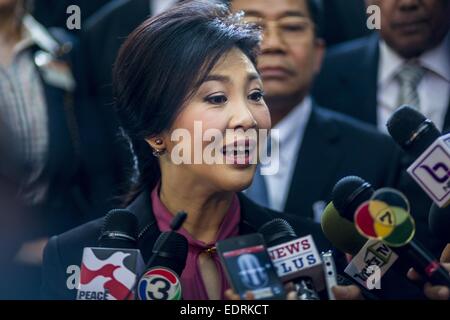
(409, 78)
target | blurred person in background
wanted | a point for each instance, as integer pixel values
(311, 137)
(406, 62)
(48, 134)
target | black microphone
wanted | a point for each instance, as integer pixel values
(412, 131)
(161, 280)
(439, 222)
(110, 270)
(350, 192)
(295, 259)
(423, 142)
(119, 230)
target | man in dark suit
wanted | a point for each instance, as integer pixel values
(51, 139)
(406, 62)
(318, 147)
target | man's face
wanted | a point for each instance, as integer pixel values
(291, 55)
(8, 4)
(411, 27)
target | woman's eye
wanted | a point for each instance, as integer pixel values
(216, 99)
(256, 96)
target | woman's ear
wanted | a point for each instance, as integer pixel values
(157, 144)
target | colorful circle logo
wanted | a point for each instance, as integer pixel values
(386, 217)
(159, 284)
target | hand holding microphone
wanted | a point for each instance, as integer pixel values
(351, 193)
(435, 292)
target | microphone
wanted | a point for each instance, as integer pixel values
(351, 192)
(366, 253)
(420, 139)
(295, 259)
(161, 280)
(110, 270)
(412, 131)
(439, 222)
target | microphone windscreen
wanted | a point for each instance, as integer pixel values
(276, 232)
(341, 232)
(349, 193)
(170, 250)
(412, 131)
(119, 230)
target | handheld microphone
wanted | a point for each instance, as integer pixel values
(420, 139)
(439, 222)
(366, 253)
(161, 280)
(350, 192)
(295, 259)
(110, 270)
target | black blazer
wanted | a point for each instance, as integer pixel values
(335, 146)
(349, 77)
(77, 157)
(348, 84)
(63, 166)
(66, 249)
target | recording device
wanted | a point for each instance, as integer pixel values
(109, 271)
(249, 268)
(366, 253)
(350, 193)
(295, 259)
(330, 273)
(420, 139)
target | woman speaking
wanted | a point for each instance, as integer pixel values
(191, 67)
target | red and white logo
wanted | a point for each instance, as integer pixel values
(106, 278)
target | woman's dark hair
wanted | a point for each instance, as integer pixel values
(162, 64)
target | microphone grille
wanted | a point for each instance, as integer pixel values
(119, 225)
(411, 130)
(277, 231)
(172, 247)
(349, 193)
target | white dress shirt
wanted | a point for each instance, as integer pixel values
(158, 6)
(291, 130)
(433, 90)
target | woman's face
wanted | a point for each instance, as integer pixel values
(228, 106)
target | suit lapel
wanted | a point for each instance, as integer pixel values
(316, 162)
